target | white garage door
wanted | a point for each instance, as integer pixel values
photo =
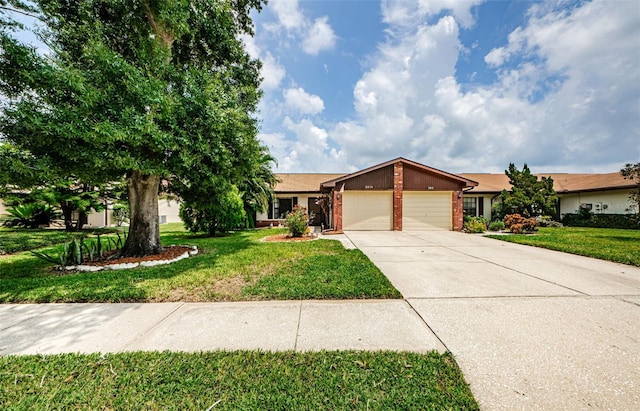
(422, 211)
(367, 210)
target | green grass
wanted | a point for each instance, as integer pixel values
(621, 246)
(231, 268)
(14, 240)
(246, 380)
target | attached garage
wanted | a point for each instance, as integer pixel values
(424, 211)
(367, 210)
(398, 195)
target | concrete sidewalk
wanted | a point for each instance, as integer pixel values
(277, 325)
(530, 328)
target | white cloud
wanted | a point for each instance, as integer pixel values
(303, 102)
(288, 14)
(567, 92)
(566, 96)
(272, 72)
(307, 150)
(412, 12)
(313, 36)
(319, 37)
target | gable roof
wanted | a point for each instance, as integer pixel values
(302, 182)
(481, 182)
(467, 182)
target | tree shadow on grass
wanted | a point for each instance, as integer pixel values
(28, 279)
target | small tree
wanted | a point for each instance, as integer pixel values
(529, 196)
(222, 212)
(632, 172)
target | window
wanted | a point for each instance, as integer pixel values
(283, 206)
(470, 206)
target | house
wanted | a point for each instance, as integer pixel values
(404, 195)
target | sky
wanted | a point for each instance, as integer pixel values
(459, 85)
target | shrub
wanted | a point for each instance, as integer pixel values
(475, 224)
(547, 221)
(628, 221)
(519, 225)
(496, 226)
(223, 212)
(297, 221)
(30, 215)
(120, 213)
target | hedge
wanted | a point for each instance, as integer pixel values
(629, 221)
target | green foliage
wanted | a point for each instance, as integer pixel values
(21, 170)
(221, 212)
(496, 226)
(622, 246)
(475, 224)
(236, 380)
(30, 215)
(547, 221)
(120, 213)
(520, 225)
(160, 90)
(256, 187)
(624, 221)
(82, 249)
(529, 196)
(632, 172)
(297, 221)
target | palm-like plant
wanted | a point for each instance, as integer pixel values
(30, 215)
(257, 187)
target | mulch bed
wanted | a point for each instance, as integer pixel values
(285, 238)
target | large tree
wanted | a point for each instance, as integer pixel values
(529, 196)
(149, 90)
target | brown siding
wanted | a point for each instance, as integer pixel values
(415, 179)
(381, 179)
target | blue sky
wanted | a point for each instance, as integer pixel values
(464, 86)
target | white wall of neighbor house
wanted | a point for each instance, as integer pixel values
(3, 208)
(601, 202)
(168, 211)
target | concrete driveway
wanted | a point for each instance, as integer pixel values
(530, 328)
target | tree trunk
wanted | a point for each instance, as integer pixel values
(144, 229)
(67, 212)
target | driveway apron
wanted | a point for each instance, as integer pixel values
(530, 328)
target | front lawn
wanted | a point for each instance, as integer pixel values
(621, 246)
(14, 240)
(231, 268)
(246, 380)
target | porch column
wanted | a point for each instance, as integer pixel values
(337, 210)
(458, 210)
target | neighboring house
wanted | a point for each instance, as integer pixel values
(404, 195)
(601, 193)
(168, 212)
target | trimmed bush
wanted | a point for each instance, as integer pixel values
(297, 221)
(496, 226)
(520, 225)
(475, 224)
(547, 221)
